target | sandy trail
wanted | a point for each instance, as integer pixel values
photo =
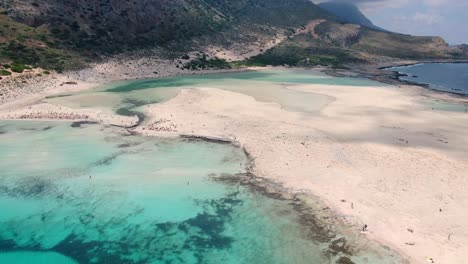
(374, 154)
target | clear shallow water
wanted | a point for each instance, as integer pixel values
(95, 195)
(446, 77)
(264, 86)
(444, 105)
(28, 257)
(291, 76)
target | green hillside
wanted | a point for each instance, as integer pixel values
(67, 34)
(334, 44)
(57, 30)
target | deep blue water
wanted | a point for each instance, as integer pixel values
(445, 77)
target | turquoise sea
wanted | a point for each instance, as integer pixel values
(445, 77)
(264, 86)
(98, 194)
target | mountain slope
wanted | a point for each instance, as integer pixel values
(349, 13)
(65, 34)
(338, 45)
(93, 28)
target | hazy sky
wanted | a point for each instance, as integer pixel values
(445, 18)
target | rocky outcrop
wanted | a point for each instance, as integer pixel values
(348, 13)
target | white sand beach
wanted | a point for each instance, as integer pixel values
(375, 155)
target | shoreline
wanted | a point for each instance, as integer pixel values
(318, 219)
(239, 118)
(290, 163)
(29, 86)
(423, 62)
(345, 238)
(380, 74)
(313, 211)
(429, 86)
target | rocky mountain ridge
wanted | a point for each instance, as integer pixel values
(349, 13)
(67, 34)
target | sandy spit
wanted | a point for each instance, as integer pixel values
(375, 155)
(52, 112)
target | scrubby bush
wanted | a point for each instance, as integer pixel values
(204, 62)
(19, 68)
(4, 72)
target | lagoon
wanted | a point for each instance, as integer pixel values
(270, 86)
(100, 194)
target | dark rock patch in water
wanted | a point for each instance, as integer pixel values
(137, 102)
(57, 96)
(7, 244)
(124, 111)
(133, 103)
(344, 260)
(94, 251)
(204, 233)
(28, 129)
(80, 123)
(318, 226)
(29, 187)
(194, 138)
(340, 245)
(129, 145)
(108, 160)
